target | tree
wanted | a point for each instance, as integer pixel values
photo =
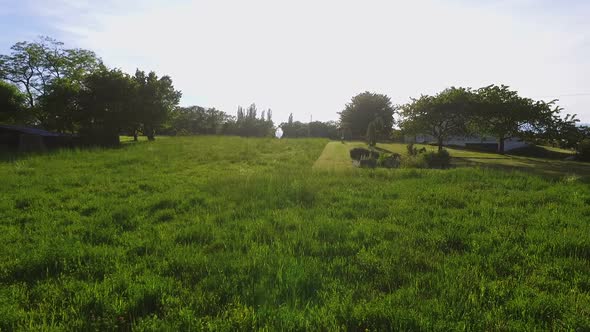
(504, 114)
(314, 129)
(107, 102)
(364, 109)
(196, 120)
(12, 104)
(441, 116)
(156, 100)
(372, 134)
(290, 121)
(61, 111)
(33, 66)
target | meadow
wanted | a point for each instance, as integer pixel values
(227, 233)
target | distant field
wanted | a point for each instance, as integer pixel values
(336, 157)
(225, 233)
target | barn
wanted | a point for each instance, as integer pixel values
(25, 139)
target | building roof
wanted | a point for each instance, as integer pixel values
(30, 131)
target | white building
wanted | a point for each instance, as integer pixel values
(488, 142)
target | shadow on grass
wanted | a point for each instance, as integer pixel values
(539, 152)
(545, 168)
(382, 150)
(10, 155)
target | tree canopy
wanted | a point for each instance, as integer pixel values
(34, 66)
(12, 103)
(492, 110)
(366, 108)
(441, 116)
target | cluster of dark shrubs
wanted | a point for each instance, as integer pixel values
(416, 158)
(368, 158)
(439, 159)
(361, 153)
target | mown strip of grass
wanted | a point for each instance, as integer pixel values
(232, 233)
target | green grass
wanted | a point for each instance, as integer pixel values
(223, 233)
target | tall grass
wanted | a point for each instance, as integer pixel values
(238, 234)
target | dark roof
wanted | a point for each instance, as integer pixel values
(30, 131)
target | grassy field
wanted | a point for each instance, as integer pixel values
(223, 233)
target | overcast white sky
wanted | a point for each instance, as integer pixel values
(311, 56)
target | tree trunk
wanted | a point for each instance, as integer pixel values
(501, 145)
(151, 133)
(135, 135)
(440, 144)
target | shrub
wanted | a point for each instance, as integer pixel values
(584, 150)
(414, 151)
(440, 159)
(368, 162)
(389, 161)
(360, 153)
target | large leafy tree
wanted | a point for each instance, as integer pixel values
(60, 105)
(33, 66)
(156, 99)
(441, 116)
(365, 108)
(12, 104)
(106, 102)
(504, 114)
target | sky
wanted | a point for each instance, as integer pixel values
(309, 57)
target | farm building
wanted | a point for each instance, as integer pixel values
(476, 142)
(32, 139)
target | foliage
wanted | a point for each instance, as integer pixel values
(360, 153)
(196, 120)
(584, 150)
(439, 159)
(12, 104)
(107, 102)
(247, 123)
(442, 116)
(34, 66)
(229, 233)
(295, 129)
(366, 108)
(60, 105)
(504, 114)
(386, 160)
(414, 151)
(372, 134)
(156, 99)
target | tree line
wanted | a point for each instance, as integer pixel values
(43, 84)
(492, 110)
(71, 91)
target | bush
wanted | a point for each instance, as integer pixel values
(413, 151)
(440, 159)
(389, 161)
(360, 153)
(584, 150)
(368, 162)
